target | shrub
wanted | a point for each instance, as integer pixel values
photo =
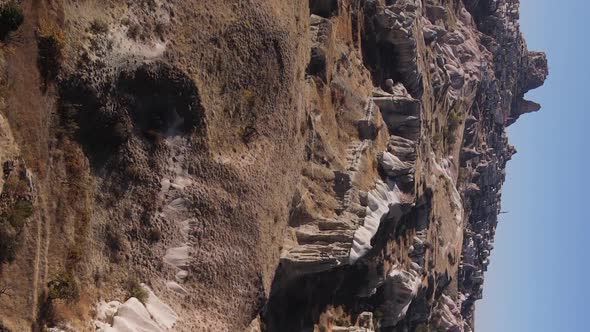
(454, 120)
(113, 239)
(450, 133)
(160, 30)
(134, 31)
(135, 290)
(11, 17)
(50, 42)
(99, 27)
(12, 222)
(154, 235)
(63, 287)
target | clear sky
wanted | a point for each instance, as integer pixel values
(538, 277)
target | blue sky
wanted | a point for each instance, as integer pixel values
(538, 277)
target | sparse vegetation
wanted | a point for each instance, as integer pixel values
(11, 17)
(454, 120)
(63, 287)
(135, 290)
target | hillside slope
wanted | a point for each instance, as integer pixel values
(256, 165)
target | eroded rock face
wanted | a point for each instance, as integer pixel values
(313, 165)
(445, 92)
(399, 290)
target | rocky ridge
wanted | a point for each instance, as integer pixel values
(469, 62)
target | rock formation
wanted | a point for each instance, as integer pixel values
(261, 165)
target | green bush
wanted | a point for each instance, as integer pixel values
(135, 290)
(11, 17)
(63, 287)
(454, 120)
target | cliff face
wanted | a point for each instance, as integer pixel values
(321, 165)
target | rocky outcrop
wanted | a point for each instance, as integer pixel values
(479, 86)
(153, 315)
(400, 288)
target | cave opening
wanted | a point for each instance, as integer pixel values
(323, 8)
(152, 101)
(381, 57)
(161, 100)
(296, 304)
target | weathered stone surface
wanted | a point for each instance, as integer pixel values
(393, 166)
(401, 114)
(399, 289)
(448, 316)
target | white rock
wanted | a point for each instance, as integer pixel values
(160, 312)
(134, 316)
(178, 256)
(382, 200)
